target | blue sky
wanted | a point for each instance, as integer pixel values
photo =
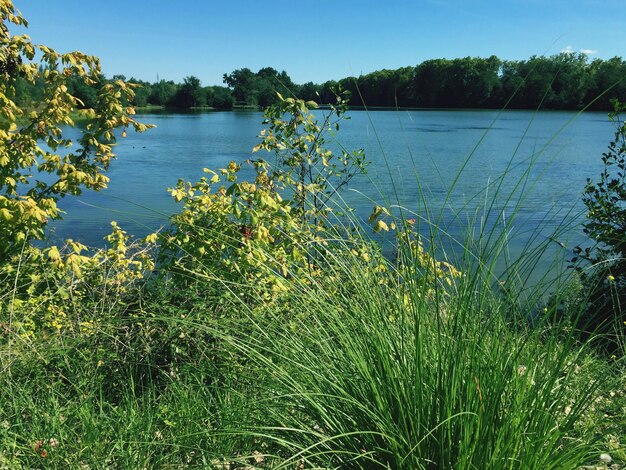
(317, 40)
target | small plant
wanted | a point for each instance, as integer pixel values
(69, 289)
(254, 234)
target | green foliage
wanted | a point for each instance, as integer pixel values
(605, 199)
(562, 81)
(606, 226)
(607, 82)
(259, 88)
(56, 290)
(219, 97)
(374, 381)
(302, 161)
(38, 165)
(468, 82)
(275, 338)
(254, 234)
(190, 94)
(162, 93)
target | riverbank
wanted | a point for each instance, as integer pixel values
(251, 333)
(159, 376)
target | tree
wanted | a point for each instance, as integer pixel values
(243, 84)
(219, 97)
(38, 164)
(162, 93)
(309, 92)
(430, 80)
(142, 92)
(84, 91)
(190, 94)
(259, 88)
(607, 80)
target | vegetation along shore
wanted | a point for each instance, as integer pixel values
(263, 327)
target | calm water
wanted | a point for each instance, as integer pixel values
(422, 152)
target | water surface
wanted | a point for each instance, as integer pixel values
(449, 161)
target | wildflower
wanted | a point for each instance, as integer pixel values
(44, 454)
(521, 369)
(54, 443)
(606, 458)
(38, 445)
(610, 278)
(258, 457)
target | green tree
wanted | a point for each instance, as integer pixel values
(219, 97)
(190, 94)
(84, 91)
(607, 81)
(308, 91)
(162, 93)
(481, 84)
(259, 88)
(430, 81)
(243, 84)
(254, 234)
(142, 92)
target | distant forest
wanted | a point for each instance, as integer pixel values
(563, 81)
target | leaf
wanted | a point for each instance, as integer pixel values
(231, 189)
(376, 213)
(381, 225)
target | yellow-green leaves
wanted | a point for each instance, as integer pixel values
(76, 164)
(45, 282)
(376, 213)
(381, 225)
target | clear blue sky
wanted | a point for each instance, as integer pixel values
(317, 40)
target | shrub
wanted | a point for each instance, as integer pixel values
(39, 165)
(251, 235)
(605, 274)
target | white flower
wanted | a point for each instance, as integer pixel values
(606, 458)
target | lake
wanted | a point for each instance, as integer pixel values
(451, 161)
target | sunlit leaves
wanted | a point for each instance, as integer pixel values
(32, 141)
(261, 231)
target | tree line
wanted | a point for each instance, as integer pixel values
(562, 81)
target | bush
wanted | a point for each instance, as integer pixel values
(604, 275)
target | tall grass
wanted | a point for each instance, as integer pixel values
(397, 376)
(358, 368)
